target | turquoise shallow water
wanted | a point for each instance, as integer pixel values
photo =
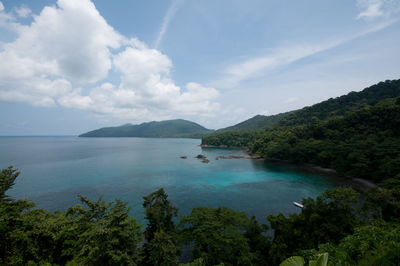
(55, 169)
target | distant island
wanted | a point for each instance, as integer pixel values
(177, 128)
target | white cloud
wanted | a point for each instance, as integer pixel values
(156, 99)
(260, 65)
(167, 18)
(291, 100)
(71, 41)
(264, 64)
(69, 49)
(197, 98)
(23, 11)
(6, 19)
(372, 9)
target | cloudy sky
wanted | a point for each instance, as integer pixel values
(70, 66)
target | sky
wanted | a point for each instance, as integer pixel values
(70, 66)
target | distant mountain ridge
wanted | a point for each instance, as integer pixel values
(177, 128)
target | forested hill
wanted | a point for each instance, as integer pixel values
(357, 134)
(255, 123)
(341, 105)
(178, 128)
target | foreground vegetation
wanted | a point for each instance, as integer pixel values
(357, 134)
(353, 230)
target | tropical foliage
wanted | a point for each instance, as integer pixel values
(322, 260)
(354, 229)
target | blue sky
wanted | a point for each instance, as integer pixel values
(70, 66)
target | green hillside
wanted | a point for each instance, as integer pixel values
(178, 128)
(357, 134)
(255, 123)
(344, 104)
(364, 143)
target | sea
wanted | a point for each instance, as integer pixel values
(54, 170)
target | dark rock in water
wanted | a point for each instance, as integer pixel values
(183, 157)
(203, 158)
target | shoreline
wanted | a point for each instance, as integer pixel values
(359, 184)
(221, 146)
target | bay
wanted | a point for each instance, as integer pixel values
(54, 170)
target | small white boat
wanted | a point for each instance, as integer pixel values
(298, 204)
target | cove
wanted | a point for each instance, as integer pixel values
(55, 169)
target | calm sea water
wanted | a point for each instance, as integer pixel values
(55, 169)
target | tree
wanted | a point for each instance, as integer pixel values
(7, 179)
(13, 239)
(160, 234)
(257, 240)
(163, 250)
(218, 235)
(383, 203)
(159, 213)
(322, 260)
(106, 234)
(328, 218)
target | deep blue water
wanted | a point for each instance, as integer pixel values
(55, 169)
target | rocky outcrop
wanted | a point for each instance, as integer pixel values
(203, 158)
